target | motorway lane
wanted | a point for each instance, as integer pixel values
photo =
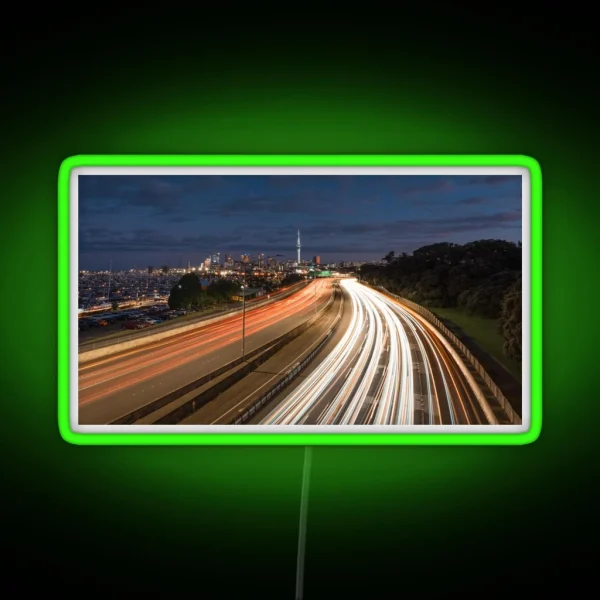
(391, 367)
(99, 334)
(241, 395)
(114, 386)
(443, 394)
(328, 347)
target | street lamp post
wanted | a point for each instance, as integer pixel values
(315, 294)
(243, 321)
(109, 278)
(244, 289)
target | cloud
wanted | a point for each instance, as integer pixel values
(471, 201)
(499, 179)
(341, 229)
(105, 240)
(321, 234)
(204, 203)
(181, 199)
(299, 203)
(181, 219)
(334, 237)
(493, 179)
(409, 226)
(95, 232)
(162, 195)
(435, 184)
(98, 207)
(208, 240)
(113, 194)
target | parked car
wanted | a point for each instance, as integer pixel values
(149, 321)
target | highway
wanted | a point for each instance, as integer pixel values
(391, 367)
(113, 386)
(99, 334)
(256, 384)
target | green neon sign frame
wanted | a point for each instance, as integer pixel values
(299, 439)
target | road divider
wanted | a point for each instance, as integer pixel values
(289, 376)
(236, 370)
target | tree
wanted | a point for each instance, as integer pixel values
(482, 277)
(443, 274)
(485, 299)
(291, 279)
(511, 324)
(432, 287)
(187, 292)
(115, 305)
(222, 290)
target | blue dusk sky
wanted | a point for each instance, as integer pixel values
(145, 220)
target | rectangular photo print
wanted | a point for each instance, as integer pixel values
(281, 304)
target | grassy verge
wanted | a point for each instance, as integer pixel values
(484, 332)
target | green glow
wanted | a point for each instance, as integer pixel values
(302, 439)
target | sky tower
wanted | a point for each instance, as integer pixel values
(298, 246)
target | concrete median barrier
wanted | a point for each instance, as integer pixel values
(288, 377)
(252, 361)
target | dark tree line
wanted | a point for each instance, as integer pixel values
(188, 293)
(291, 278)
(510, 320)
(482, 278)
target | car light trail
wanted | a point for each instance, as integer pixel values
(101, 378)
(372, 375)
(326, 375)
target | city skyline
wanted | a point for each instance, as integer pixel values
(147, 220)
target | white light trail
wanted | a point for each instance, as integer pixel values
(370, 375)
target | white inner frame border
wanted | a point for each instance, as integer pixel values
(299, 429)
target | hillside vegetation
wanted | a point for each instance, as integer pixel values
(481, 278)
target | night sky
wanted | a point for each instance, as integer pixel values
(147, 220)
